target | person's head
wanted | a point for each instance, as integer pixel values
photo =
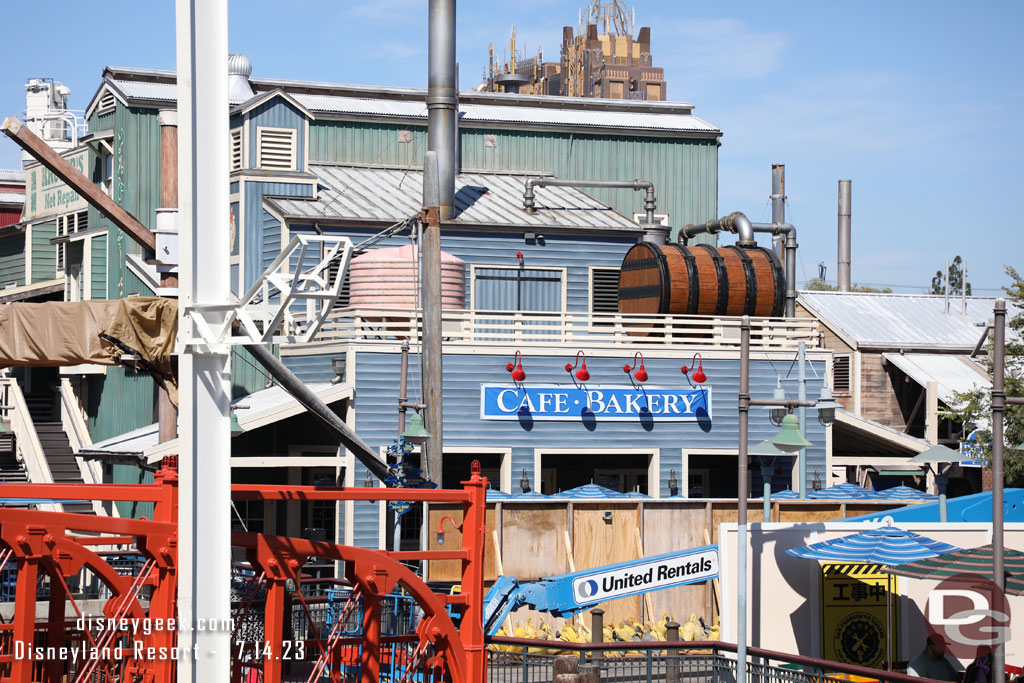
(935, 646)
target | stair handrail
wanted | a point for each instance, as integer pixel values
(73, 423)
(29, 449)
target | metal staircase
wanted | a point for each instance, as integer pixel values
(55, 445)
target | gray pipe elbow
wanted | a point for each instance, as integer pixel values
(743, 229)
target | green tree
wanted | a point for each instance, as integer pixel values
(974, 408)
(956, 279)
(816, 284)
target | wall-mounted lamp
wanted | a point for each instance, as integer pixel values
(607, 516)
(516, 367)
(639, 374)
(581, 374)
(519, 257)
(698, 375)
(338, 366)
(368, 482)
(524, 482)
(673, 483)
(440, 528)
(816, 483)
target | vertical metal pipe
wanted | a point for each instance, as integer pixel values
(766, 476)
(442, 99)
(431, 381)
(403, 386)
(791, 274)
(741, 504)
(205, 456)
(845, 202)
(801, 359)
(778, 204)
(998, 408)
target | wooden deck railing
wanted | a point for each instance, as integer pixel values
(500, 328)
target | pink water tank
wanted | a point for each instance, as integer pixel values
(386, 278)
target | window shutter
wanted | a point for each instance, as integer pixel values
(276, 148)
(236, 150)
(841, 374)
(604, 290)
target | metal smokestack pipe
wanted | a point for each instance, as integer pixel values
(844, 235)
(442, 99)
(778, 205)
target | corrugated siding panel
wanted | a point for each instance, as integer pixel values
(518, 289)
(271, 239)
(99, 267)
(684, 171)
(44, 254)
(254, 221)
(12, 260)
(278, 114)
(133, 286)
(119, 402)
(132, 474)
(310, 368)
(575, 253)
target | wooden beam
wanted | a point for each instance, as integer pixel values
(59, 166)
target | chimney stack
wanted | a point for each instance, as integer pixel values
(442, 99)
(844, 235)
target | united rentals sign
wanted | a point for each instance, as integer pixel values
(555, 402)
(663, 571)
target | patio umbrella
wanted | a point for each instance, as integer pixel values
(902, 492)
(788, 494)
(970, 561)
(887, 545)
(530, 495)
(591, 491)
(495, 494)
(845, 491)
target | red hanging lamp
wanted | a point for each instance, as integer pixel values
(516, 367)
(581, 374)
(698, 375)
(639, 374)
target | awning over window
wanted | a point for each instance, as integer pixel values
(952, 372)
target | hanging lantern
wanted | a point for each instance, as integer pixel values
(639, 374)
(516, 367)
(581, 374)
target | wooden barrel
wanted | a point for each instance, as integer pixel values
(672, 279)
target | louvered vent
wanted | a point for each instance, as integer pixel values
(604, 293)
(236, 150)
(107, 103)
(276, 148)
(841, 374)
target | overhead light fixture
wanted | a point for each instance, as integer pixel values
(776, 413)
(827, 406)
(698, 375)
(581, 373)
(416, 432)
(516, 367)
(639, 374)
(789, 438)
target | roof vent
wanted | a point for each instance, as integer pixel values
(239, 70)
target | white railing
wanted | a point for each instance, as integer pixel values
(29, 450)
(500, 328)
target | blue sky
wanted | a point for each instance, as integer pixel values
(917, 102)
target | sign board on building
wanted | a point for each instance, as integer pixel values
(857, 601)
(48, 195)
(972, 450)
(558, 402)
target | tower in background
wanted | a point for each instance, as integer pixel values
(599, 59)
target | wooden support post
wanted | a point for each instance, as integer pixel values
(167, 412)
(90, 192)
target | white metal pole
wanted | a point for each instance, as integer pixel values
(802, 415)
(205, 371)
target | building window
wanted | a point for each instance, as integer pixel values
(69, 224)
(604, 290)
(841, 374)
(107, 173)
(517, 289)
(236, 150)
(276, 148)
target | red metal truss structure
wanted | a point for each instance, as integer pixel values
(39, 641)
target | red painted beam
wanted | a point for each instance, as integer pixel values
(305, 493)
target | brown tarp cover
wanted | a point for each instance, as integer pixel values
(61, 333)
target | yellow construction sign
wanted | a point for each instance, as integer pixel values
(857, 601)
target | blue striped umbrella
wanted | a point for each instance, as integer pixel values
(886, 545)
(902, 492)
(636, 494)
(842, 491)
(495, 494)
(788, 494)
(532, 495)
(591, 491)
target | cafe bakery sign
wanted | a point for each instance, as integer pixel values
(571, 403)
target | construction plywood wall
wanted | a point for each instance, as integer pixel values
(533, 541)
(451, 570)
(667, 529)
(597, 542)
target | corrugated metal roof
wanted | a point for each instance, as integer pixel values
(389, 195)
(12, 197)
(953, 373)
(12, 175)
(412, 106)
(910, 321)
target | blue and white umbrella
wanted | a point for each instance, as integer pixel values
(636, 494)
(886, 545)
(788, 494)
(845, 490)
(530, 495)
(495, 494)
(902, 492)
(591, 492)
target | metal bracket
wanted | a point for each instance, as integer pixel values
(269, 311)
